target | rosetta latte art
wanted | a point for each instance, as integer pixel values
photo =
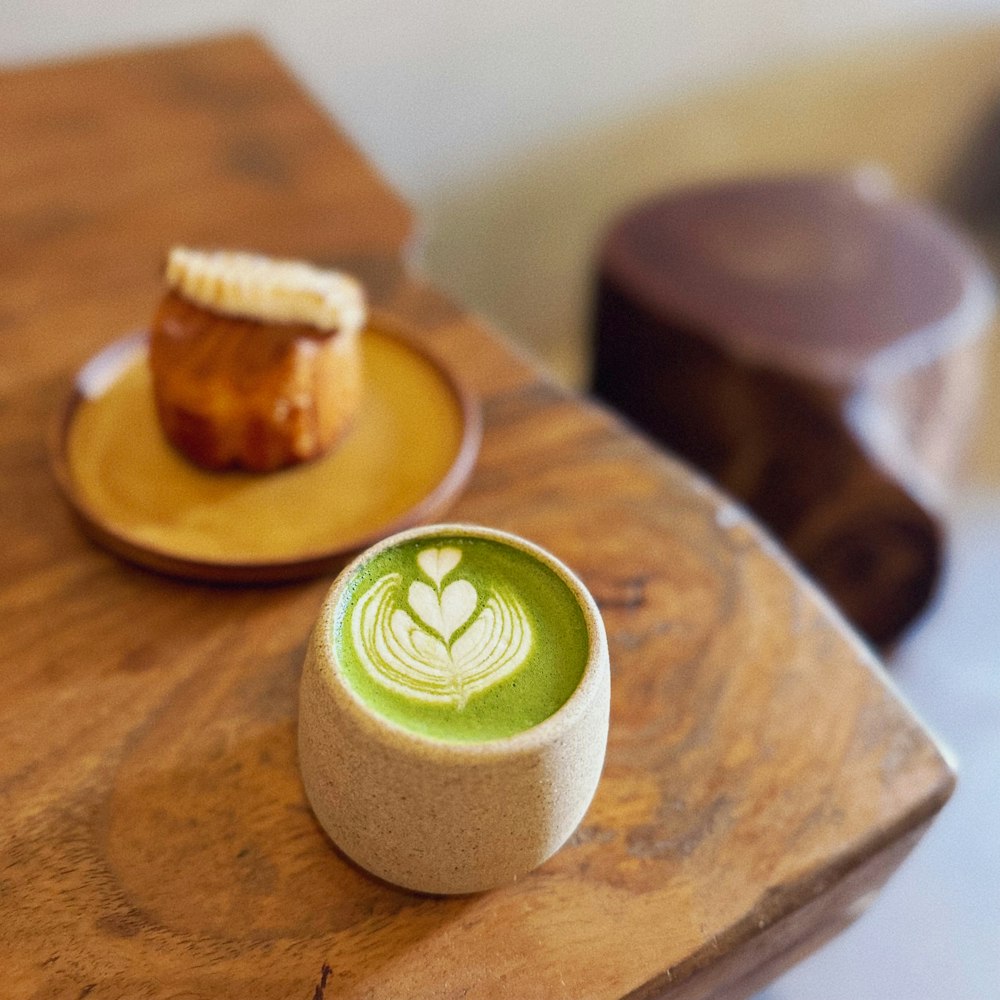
(434, 647)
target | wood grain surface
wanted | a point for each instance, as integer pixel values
(762, 777)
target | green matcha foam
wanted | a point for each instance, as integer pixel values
(460, 638)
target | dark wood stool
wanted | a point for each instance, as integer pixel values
(813, 344)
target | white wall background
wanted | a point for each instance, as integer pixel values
(438, 90)
(446, 95)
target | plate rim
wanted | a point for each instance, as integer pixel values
(311, 563)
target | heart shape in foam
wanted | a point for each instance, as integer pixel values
(447, 614)
(438, 563)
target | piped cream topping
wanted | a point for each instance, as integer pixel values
(253, 286)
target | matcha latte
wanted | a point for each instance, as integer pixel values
(453, 711)
(460, 638)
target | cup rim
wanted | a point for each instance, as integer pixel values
(527, 741)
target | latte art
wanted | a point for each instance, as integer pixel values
(460, 637)
(446, 641)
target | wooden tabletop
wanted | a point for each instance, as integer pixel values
(762, 777)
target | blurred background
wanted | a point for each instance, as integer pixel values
(519, 130)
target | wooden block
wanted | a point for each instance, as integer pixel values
(813, 344)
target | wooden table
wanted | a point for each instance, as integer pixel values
(762, 778)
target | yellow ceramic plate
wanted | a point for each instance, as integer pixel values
(410, 450)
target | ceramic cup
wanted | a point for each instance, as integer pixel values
(420, 745)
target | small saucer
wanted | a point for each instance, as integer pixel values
(410, 450)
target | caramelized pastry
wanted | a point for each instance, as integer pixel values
(255, 362)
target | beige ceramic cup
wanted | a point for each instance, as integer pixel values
(439, 816)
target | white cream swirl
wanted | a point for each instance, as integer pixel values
(437, 649)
